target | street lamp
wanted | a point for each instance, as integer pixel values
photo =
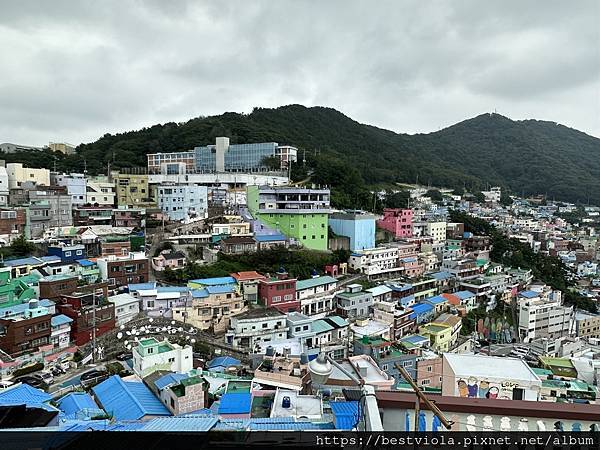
(320, 370)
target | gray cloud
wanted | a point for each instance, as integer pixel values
(76, 70)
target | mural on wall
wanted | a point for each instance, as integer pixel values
(495, 330)
(474, 388)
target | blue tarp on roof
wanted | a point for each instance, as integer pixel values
(75, 402)
(223, 361)
(235, 403)
(169, 379)
(529, 294)
(214, 281)
(85, 262)
(32, 261)
(172, 289)
(59, 320)
(345, 414)
(128, 400)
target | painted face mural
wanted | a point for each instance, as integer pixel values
(493, 392)
(484, 387)
(472, 387)
(462, 388)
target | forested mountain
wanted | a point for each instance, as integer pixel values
(530, 156)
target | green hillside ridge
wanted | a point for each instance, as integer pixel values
(529, 156)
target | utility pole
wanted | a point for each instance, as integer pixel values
(422, 398)
(94, 325)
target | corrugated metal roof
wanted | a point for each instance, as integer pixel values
(320, 326)
(464, 295)
(220, 289)
(75, 402)
(235, 403)
(168, 379)
(214, 281)
(128, 400)
(339, 321)
(291, 426)
(345, 415)
(180, 424)
(141, 286)
(23, 394)
(224, 361)
(436, 300)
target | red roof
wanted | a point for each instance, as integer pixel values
(452, 299)
(246, 276)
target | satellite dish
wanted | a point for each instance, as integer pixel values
(142, 328)
(150, 320)
(126, 342)
(180, 329)
(193, 341)
(119, 335)
(172, 322)
(122, 327)
(128, 333)
(129, 347)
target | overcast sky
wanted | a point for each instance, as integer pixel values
(72, 71)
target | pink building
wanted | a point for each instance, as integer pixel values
(397, 221)
(429, 372)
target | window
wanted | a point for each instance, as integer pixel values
(384, 367)
(67, 254)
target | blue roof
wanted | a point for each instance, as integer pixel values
(529, 294)
(420, 308)
(270, 237)
(223, 361)
(23, 394)
(18, 309)
(59, 320)
(50, 258)
(220, 289)
(181, 423)
(128, 400)
(441, 275)
(169, 379)
(345, 414)
(30, 261)
(239, 403)
(85, 262)
(141, 286)
(436, 300)
(414, 339)
(199, 293)
(402, 288)
(172, 289)
(464, 295)
(214, 281)
(289, 426)
(409, 259)
(75, 402)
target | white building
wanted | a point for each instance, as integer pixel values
(76, 185)
(493, 195)
(126, 307)
(315, 286)
(17, 174)
(101, 193)
(151, 355)
(60, 336)
(542, 314)
(478, 376)
(376, 261)
(3, 186)
(436, 230)
(257, 327)
(182, 202)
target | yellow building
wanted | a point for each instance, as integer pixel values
(133, 190)
(62, 147)
(440, 336)
(17, 174)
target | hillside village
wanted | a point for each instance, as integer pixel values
(208, 288)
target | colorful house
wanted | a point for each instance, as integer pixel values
(397, 221)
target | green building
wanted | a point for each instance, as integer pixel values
(299, 213)
(14, 291)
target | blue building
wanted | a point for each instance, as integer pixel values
(422, 312)
(357, 226)
(68, 253)
(182, 201)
